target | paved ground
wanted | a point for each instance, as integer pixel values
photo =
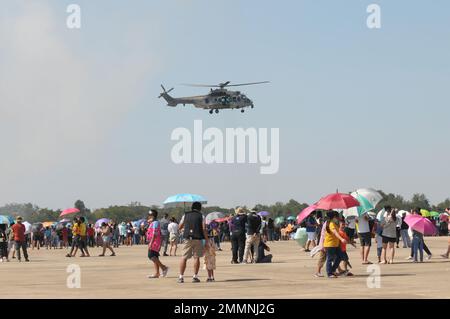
(289, 276)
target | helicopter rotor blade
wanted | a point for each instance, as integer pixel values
(222, 85)
(251, 83)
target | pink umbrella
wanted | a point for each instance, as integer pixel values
(69, 211)
(305, 213)
(420, 224)
(337, 201)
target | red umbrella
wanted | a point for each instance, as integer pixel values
(420, 224)
(305, 213)
(337, 201)
(221, 220)
(69, 211)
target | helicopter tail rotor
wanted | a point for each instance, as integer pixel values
(164, 91)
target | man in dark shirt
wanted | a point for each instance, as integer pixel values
(194, 231)
(19, 238)
(238, 235)
(253, 237)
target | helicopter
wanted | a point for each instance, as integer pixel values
(217, 99)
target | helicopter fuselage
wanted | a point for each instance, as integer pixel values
(215, 100)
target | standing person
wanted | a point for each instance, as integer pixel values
(331, 244)
(165, 232)
(106, 239)
(253, 237)
(10, 235)
(379, 239)
(389, 235)
(398, 228)
(194, 231)
(264, 229)
(365, 237)
(47, 237)
(19, 239)
(173, 236)
(238, 236)
(91, 236)
(142, 233)
(311, 228)
(321, 250)
(270, 229)
(154, 238)
(350, 228)
(404, 233)
(130, 232)
(3, 243)
(122, 233)
(210, 259)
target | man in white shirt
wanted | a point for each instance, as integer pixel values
(365, 237)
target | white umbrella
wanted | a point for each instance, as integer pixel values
(370, 194)
(381, 215)
(212, 216)
(27, 227)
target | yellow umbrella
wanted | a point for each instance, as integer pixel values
(425, 213)
(48, 224)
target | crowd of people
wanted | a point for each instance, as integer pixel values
(328, 234)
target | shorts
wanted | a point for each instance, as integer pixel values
(388, 240)
(153, 254)
(173, 238)
(192, 247)
(311, 235)
(350, 232)
(106, 239)
(365, 239)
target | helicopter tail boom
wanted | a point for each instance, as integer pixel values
(165, 95)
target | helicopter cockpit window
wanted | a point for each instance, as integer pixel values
(234, 99)
(207, 101)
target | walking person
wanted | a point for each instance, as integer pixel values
(417, 246)
(83, 238)
(210, 259)
(164, 222)
(173, 236)
(238, 223)
(416, 211)
(154, 246)
(331, 244)
(194, 231)
(389, 235)
(253, 237)
(19, 239)
(106, 239)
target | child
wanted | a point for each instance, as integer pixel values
(154, 239)
(379, 240)
(417, 245)
(3, 243)
(343, 247)
(210, 259)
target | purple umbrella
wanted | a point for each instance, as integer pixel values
(263, 213)
(99, 222)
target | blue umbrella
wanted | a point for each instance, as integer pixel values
(263, 213)
(181, 200)
(6, 219)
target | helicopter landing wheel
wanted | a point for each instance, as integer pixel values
(217, 110)
(242, 111)
(210, 111)
(252, 106)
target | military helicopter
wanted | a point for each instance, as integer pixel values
(217, 99)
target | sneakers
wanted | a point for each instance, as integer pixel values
(180, 280)
(429, 257)
(195, 279)
(210, 280)
(408, 258)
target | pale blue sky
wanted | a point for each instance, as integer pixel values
(355, 107)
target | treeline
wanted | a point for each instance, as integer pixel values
(135, 210)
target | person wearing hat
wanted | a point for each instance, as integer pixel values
(238, 235)
(19, 239)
